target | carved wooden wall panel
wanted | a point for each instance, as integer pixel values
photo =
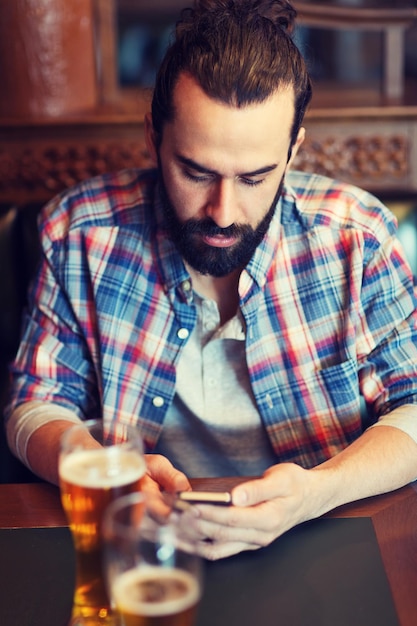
(36, 173)
(374, 158)
(378, 156)
(38, 162)
(36, 166)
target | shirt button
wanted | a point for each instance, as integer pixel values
(182, 333)
(158, 402)
(186, 285)
(269, 401)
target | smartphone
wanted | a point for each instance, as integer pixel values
(205, 497)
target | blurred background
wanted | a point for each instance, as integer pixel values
(77, 79)
(348, 55)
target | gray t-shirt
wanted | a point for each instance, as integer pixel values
(213, 427)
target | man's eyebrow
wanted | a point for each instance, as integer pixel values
(205, 170)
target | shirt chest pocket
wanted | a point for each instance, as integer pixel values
(324, 393)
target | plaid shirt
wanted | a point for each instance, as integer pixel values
(327, 299)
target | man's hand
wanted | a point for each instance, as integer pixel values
(262, 510)
(380, 460)
(162, 478)
(161, 475)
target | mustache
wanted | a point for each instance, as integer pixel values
(210, 228)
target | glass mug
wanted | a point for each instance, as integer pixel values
(98, 462)
(152, 571)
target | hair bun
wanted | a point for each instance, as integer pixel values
(280, 12)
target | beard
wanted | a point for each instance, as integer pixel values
(210, 260)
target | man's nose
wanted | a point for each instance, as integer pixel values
(222, 203)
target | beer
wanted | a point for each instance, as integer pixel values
(156, 596)
(89, 480)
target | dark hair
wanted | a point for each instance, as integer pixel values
(239, 51)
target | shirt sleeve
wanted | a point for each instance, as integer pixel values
(55, 361)
(403, 417)
(386, 332)
(27, 418)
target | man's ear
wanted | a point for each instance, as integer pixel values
(150, 139)
(300, 138)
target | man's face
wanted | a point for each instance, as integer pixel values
(222, 170)
(191, 238)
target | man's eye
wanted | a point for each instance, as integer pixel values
(252, 182)
(198, 178)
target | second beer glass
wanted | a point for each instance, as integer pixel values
(98, 463)
(153, 572)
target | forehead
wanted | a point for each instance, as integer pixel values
(206, 125)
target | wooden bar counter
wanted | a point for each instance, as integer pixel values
(393, 517)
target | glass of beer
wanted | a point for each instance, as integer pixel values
(98, 463)
(153, 573)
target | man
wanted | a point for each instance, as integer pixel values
(234, 310)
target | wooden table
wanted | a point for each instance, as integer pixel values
(394, 518)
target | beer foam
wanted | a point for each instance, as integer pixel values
(102, 468)
(130, 588)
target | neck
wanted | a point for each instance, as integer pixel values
(223, 290)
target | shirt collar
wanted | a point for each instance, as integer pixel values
(286, 215)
